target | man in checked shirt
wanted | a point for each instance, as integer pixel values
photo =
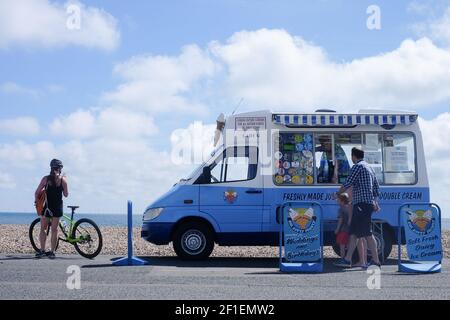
(366, 191)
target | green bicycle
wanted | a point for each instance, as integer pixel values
(83, 234)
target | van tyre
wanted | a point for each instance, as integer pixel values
(193, 241)
(388, 242)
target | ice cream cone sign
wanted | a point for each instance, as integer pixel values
(420, 218)
(301, 216)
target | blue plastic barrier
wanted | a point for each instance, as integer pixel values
(301, 237)
(130, 260)
(421, 223)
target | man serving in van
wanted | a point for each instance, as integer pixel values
(365, 201)
(331, 171)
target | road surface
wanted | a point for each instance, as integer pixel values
(23, 277)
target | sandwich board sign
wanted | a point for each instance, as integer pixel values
(301, 237)
(422, 226)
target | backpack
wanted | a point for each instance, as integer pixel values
(41, 200)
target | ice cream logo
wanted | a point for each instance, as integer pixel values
(301, 220)
(420, 221)
(230, 196)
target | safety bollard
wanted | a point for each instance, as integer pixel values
(130, 260)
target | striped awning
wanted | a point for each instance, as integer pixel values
(337, 120)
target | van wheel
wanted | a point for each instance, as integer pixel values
(387, 240)
(193, 241)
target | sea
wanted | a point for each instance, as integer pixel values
(107, 220)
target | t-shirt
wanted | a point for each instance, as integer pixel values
(364, 182)
(344, 214)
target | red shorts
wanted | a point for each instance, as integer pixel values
(342, 238)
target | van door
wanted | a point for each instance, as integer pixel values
(233, 194)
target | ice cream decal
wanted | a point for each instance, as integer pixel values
(420, 219)
(230, 196)
(302, 217)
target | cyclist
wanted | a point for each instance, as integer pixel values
(56, 185)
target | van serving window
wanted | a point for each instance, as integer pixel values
(336, 120)
(325, 158)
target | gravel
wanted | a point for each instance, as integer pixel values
(14, 239)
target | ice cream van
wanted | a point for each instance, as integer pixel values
(265, 159)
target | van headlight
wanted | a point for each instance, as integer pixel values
(151, 213)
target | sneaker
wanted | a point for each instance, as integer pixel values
(343, 263)
(51, 255)
(40, 254)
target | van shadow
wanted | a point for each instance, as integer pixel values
(231, 262)
(212, 262)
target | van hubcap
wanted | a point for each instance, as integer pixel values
(193, 241)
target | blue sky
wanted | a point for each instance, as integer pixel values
(46, 76)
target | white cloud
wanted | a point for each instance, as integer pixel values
(103, 173)
(22, 126)
(159, 83)
(420, 8)
(17, 89)
(54, 88)
(79, 124)
(110, 122)
(439, 30)
(43, 23)
(12, 88)
(6, 181)
(21, 155)
(435, 134)
(104, 170)
(273, 69)
(120, 123)
(436, 25)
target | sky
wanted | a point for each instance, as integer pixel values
(110, 86)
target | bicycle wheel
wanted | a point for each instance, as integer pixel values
(88, 237)
(33, 233)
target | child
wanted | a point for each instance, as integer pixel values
(342, 229)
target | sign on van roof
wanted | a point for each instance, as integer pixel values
(338, 120)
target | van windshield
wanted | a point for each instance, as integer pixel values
(212, 156)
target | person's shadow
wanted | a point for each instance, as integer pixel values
(14, 257)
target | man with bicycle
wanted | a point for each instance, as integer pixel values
(55, 186)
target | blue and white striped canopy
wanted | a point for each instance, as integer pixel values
(337, 120)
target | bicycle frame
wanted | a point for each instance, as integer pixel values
(68, 233)
(70, 223)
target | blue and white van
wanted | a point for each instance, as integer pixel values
(266, 159)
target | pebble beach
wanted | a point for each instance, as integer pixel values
(14, 239)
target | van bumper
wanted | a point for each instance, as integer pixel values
(157, 232)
